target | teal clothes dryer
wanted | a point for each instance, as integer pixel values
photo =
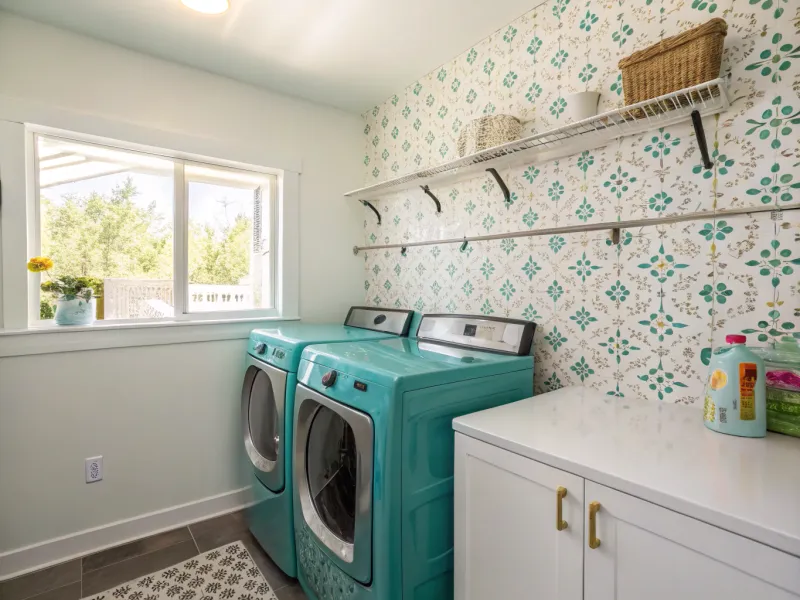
(273, 356)
(373, 445)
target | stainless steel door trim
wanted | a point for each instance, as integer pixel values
(278, 379)
(359, 553)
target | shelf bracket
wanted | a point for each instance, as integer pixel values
(701, 139)
(428, 191)
(501, 183)
(375, 210)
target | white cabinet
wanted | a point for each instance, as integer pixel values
(647, 551)
(507, 544)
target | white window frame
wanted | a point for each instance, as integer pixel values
(181, 257)
(20, 227)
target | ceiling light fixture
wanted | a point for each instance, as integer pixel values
(209, 7)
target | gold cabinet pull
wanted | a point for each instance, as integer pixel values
(594, 543)
(561, 493)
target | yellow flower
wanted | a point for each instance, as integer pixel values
(39, 263)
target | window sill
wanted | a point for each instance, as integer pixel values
(51, 338)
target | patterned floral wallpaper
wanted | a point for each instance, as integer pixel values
(634, 319)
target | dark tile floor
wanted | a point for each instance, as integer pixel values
(94, 573)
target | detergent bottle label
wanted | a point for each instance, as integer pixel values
(748, 373)
(709, 409)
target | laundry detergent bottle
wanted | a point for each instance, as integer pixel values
(735, 399)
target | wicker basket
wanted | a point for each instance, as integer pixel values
(690, 58)
(488, 132)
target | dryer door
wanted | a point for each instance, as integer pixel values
(263, 401)
(333, 469)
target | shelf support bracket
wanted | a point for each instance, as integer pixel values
(501, 183)
(375, 210)
(428, 191)
(701, 139)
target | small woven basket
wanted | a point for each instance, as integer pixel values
(488, 132)
(690, 58)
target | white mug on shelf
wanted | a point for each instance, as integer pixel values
(581, 105)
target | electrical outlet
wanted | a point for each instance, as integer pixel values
(94, 469)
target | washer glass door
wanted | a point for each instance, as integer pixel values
(263, 399)
(333, 464)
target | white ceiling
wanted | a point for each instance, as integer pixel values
(348, 53)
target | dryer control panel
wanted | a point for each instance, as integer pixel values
(506, 336)
(388, 320)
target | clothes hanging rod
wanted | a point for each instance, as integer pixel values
(630, 224)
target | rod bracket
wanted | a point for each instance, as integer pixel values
(428, 191)
(501, 183)
(700, 134)
(403, 251)
(375, 210)
(615, 236)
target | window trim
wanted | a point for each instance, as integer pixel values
(19, 219)
(54, 339)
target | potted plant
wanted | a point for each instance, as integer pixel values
(74, 295)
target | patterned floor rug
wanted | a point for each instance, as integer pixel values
(225, 573)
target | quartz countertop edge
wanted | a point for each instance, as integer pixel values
(660, 453)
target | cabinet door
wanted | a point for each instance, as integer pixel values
(647, 551)
(507, 544)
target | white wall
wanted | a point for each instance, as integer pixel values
(164, 417)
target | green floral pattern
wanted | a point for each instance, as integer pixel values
(635, 319)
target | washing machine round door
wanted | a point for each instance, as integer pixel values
(332, 464)
(263, 400)
(333, 470)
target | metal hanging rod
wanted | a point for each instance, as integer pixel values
(615, 226)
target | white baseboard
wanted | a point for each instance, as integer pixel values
(37, 556)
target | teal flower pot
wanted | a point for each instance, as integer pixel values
(71, 310)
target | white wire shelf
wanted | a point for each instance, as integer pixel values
(691, 103)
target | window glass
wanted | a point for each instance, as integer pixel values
(107, 215)
(229, 242)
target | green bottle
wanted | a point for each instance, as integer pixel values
(735, 399)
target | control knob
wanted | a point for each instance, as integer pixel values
(329, 379)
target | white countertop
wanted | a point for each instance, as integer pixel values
(658, 452)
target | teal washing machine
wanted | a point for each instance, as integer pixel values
(373, 452)
(267, 410)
